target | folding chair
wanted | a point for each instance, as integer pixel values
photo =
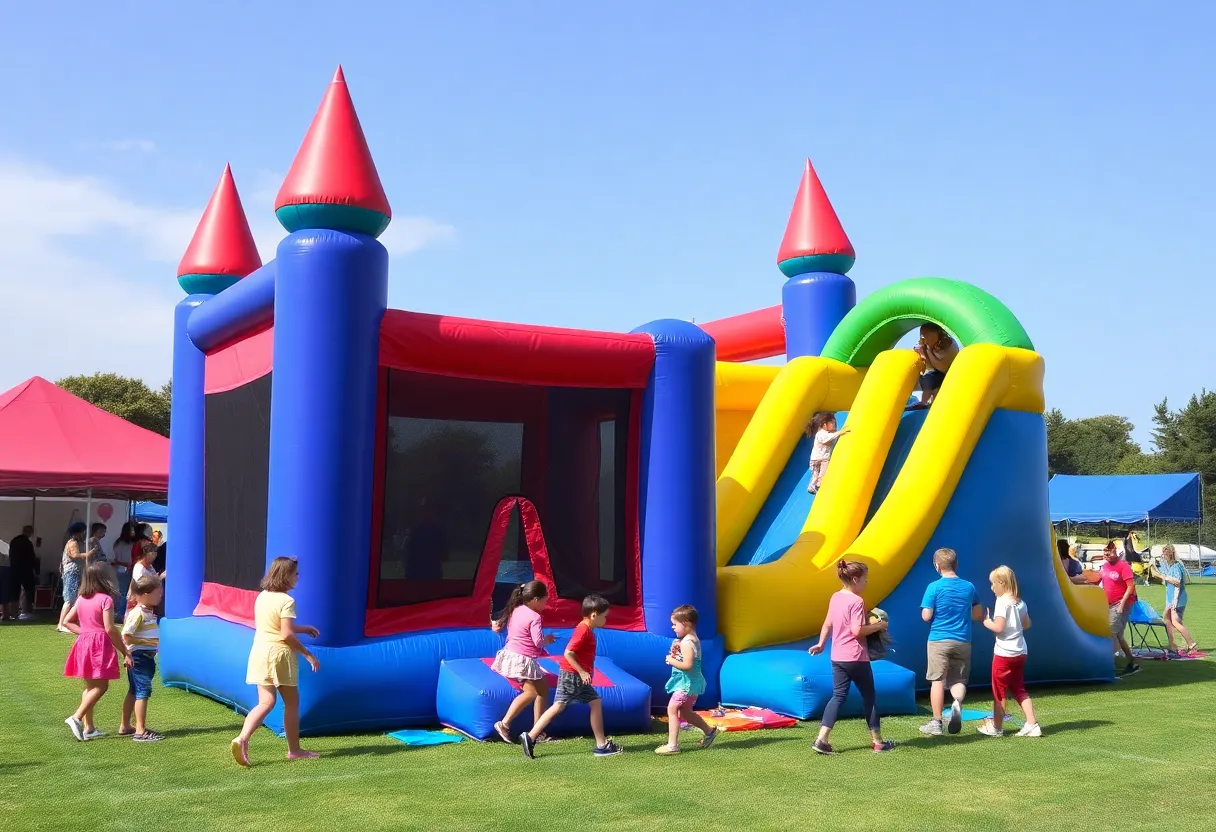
(1146, 623)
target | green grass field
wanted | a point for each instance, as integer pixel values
(1121, 756)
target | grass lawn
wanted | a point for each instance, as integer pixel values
(1121, 756)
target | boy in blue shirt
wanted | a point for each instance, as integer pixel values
(949, 606)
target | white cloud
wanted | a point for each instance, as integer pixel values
(87, 274)
(131, 145)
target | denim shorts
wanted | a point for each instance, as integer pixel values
(71, 587)
(932, 380)
(139, 675)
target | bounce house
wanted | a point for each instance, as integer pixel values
(421, 466)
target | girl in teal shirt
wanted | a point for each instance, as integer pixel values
(1175, 578)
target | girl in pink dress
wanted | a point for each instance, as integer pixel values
(526, 642)
(94, 656)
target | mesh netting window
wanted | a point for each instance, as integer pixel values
(455, 447)
(237, 471)
(584, 513)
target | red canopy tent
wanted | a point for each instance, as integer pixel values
(53, 444)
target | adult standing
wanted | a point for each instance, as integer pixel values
(1072, 567)
(123, 560)
(23, 574)
(1119, 584)
(75, 558)
(1175, 579)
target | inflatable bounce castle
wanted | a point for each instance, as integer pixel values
(421, 466)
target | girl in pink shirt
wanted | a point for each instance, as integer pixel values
(526, 643)
(846, 621)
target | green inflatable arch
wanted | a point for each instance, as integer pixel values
(881, 319)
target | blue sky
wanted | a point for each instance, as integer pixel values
(601, 165)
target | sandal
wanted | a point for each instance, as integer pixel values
(240, 752)
(148, 736)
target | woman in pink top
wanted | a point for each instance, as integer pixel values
(526, 643)
(94, 656)
(846, 622)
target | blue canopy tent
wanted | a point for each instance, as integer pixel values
(146, 511)
(1125, 498)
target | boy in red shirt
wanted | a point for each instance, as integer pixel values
(574, 681)
(1120, 586)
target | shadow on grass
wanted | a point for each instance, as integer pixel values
(1074, 725)
(171, 733)
(370, 750)
(14, 767)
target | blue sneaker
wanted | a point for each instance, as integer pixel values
(609, 749)
(884, 746)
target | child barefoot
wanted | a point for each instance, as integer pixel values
(686, 683)
(846, 621)
(822, 430)
(1009, 655)
(142, 636)
(574, 682)
(272, 660)
(526, 643)
(94, 656)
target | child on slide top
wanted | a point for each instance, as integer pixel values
(577, 667)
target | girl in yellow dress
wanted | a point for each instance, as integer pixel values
(273, 666)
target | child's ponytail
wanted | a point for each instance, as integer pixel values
(521, 595)
(850, 571)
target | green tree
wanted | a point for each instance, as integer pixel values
(1095, 445)
(128, 398)
(1186, 442)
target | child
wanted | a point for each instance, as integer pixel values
(686, 682)
(94, 656)
(822, 430)
(142, 636)
(1009, 655)
(846, 621)
(577, 666)
(526, 643)
(145, 554)
(272, 659)
(949, 606)
(937, 352)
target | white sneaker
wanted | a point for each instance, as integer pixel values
(76, 727)
(25, 616)
(1030, 729)
(956, 718)
(988, 729)
(63, 629)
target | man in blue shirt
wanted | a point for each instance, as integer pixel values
(949, 606)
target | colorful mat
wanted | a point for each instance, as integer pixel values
(744, 719)
(1155, 654)
(420, 738)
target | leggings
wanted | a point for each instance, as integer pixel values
(857, 673)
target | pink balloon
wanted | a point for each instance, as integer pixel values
(105, 511)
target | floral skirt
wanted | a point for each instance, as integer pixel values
(510, 664)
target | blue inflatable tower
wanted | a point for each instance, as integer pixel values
(816, 256)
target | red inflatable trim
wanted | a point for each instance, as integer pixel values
(333, 165)
(247, 360)
(222, 242)
(814, 227)
(598, 680)
(474, 611)
(227, 602)
(538, 355)
(747, 337)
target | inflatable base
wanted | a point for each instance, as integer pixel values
(790, 681)
(472, 697)
(389, 682)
